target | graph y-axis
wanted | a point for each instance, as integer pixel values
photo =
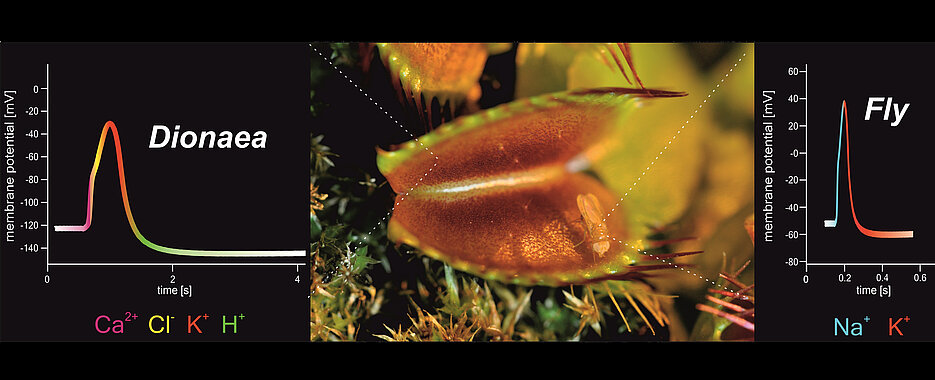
(806, 167)
(48, 194)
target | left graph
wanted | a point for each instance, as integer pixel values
(170, 182)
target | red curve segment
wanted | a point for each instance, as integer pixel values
(864, 230)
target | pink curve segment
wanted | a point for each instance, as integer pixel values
(87, 219)
(97, 162)
(862, 229)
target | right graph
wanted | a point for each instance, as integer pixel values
(842, 222)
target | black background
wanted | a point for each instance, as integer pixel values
(213, 199)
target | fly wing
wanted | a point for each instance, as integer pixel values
(590, 209)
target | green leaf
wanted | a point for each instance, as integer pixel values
(362, 260)
(315, 226)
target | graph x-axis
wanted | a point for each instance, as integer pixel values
(177, 264)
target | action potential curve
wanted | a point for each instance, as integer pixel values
(844, 135)
(111, 127)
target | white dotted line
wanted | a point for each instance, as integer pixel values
(653, 162)
(416, 139)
